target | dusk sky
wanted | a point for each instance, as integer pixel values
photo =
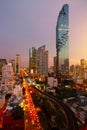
(27, 23)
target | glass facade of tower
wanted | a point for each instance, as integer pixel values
(38, 60)
(62, 42)
(42, 60)
(17, 65)
(32, 60)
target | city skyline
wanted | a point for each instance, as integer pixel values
(24, 24)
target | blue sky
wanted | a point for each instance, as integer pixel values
(27, 23)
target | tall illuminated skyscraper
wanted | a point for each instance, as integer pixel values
(17, 64)
(32, 60)
(38, 60)
(62, 42)
(42, 60)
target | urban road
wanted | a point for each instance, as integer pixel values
(72, 120)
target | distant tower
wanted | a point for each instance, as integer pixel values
(83, 64)
(2, 63)
(32, 60)
(7, 73)
(12, 61)
(42, 60)
(62, 42)
(54, 64)
(17, 64)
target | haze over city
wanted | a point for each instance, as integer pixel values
(24, 24)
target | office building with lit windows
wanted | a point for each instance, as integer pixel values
(7, 73)
(17, 64)
(32, 60)
(42, 60)
(12, 61)
(62, 41)
(83, 64)
(2, 63)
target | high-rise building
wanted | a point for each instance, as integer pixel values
(7, 73)
(75, 71)
(83, 64)
(62, 42)
(54, 64)
(2, 63)
(32, 60)
(12, 61)
(17, 64)
(42, 60)
(38, 60)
